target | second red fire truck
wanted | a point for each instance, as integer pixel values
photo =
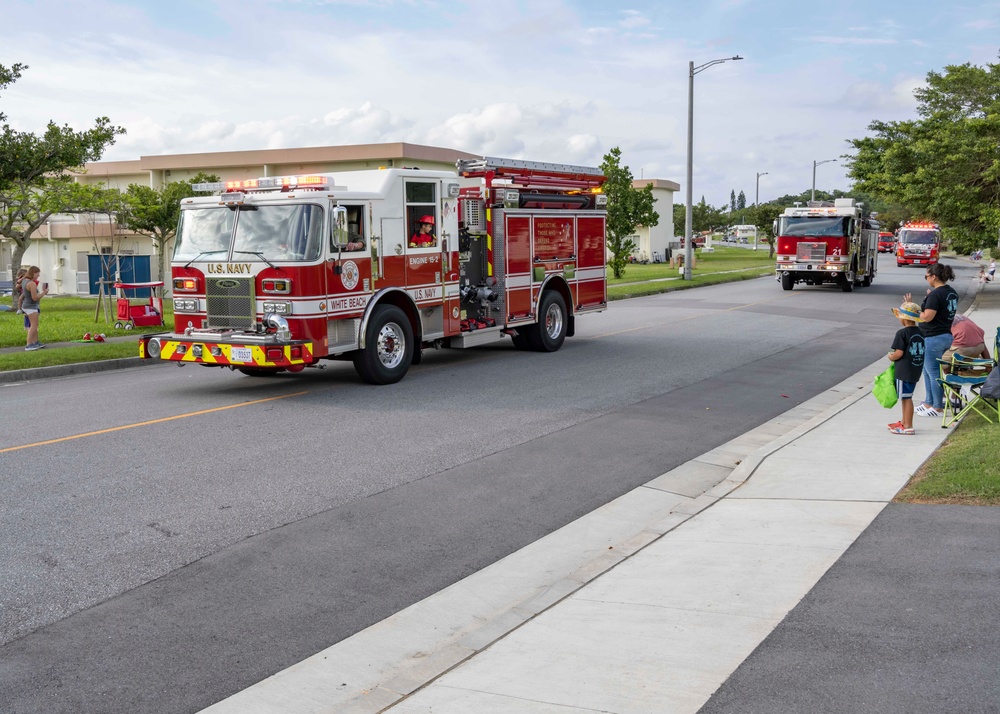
(826, 241)
(281, 273)
(918, 243)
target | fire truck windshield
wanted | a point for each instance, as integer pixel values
(921, 237)
(279, 233)
(814, 226)
(203, 230)
(289, 232)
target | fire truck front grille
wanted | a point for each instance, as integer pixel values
(230, 303)
(811, 251)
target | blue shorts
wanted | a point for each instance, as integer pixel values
(905, 389)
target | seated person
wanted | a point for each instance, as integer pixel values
(968, 340)
(424, 237)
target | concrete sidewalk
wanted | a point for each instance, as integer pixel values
(650, 603)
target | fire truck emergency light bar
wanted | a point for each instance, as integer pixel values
(316, 182)
(921, 224)
(532, 172)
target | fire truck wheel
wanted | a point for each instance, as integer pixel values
(549, 333)
(786, 282)
(388, 350)
(846, 283)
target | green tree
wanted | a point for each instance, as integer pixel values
(945, 165)
(155, 212)
(732, 201)
(628, 207)
(741, 201)
(33, 179)
(703, 217)
(763, 217)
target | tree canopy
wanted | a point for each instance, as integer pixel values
(628, 207)
(33, 179)
(944, 165)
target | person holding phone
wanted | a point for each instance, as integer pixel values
(31, 298)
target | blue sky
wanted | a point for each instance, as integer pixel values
(548, 80)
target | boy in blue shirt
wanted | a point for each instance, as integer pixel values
(907, 352)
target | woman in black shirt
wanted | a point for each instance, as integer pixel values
(937, 312)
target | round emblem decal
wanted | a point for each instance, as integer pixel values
(349, 274)
(227, 284)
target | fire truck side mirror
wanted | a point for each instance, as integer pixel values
(774, 227)
(339, 237)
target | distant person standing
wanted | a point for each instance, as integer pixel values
(937, 312)
(31, 298)
(993, 269)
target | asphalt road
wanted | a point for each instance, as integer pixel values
(169, 536)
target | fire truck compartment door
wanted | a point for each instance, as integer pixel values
(391, 242)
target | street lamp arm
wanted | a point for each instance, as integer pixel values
(703, 67)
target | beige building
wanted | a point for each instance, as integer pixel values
(652, 241)
(69, 248)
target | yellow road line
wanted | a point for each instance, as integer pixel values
(147, 423)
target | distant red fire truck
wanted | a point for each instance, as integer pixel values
(919, 243)
(824, 242)
(280, 273)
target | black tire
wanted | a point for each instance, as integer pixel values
(388, 350)
(900, 265)
(258, 371)
(846, 283)
(549, 333)
(787, 283)
(866, 281)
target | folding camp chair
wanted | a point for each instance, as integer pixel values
(962, 379)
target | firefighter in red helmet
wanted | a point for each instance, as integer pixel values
(424, 235)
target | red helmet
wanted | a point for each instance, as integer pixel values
(426, 219)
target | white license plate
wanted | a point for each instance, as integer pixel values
(241, 354)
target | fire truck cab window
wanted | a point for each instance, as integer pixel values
(816, 226)
(351, 236)
(203, 230)
(280, 232)
(910, 237)
(421, 214)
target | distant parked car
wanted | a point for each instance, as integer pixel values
(886, 242)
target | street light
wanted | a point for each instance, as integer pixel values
(815, 164)
(692, 71)
(756, 201)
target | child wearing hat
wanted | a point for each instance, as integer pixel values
(907, 352)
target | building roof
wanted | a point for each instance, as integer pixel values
(390, 153)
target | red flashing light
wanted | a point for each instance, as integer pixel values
(275, 354)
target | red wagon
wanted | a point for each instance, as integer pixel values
(148, 312)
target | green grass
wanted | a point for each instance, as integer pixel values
(709, 269)
(965, 470)
(86, 352)
(721, 259)
(64, 319)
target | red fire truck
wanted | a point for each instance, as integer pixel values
(919, 243)
(281, 273)
(826, 241)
